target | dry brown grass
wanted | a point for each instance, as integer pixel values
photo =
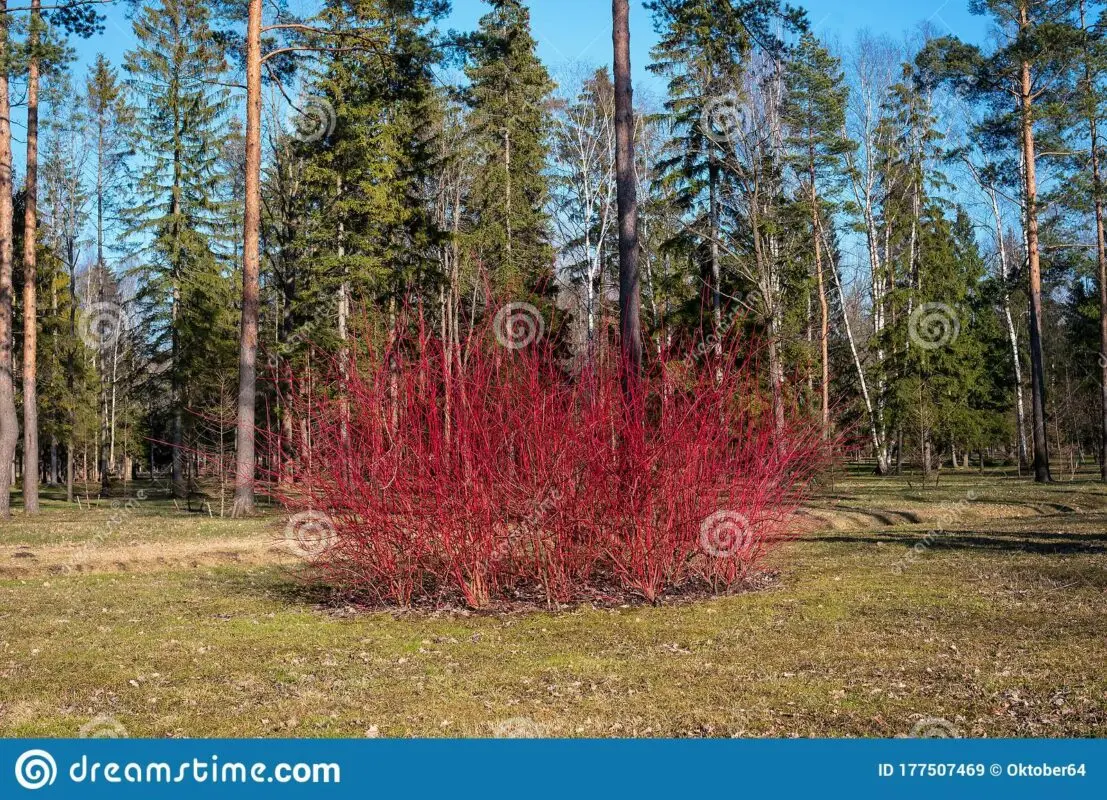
(189, 626)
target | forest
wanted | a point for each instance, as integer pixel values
(910, 229)
(372, 368)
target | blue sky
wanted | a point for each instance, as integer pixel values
(580, 30)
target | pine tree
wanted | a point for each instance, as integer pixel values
(44, 51)
(9, 419)
(630, 297)
(1032, 69)
(815, 116)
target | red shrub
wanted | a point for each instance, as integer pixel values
(495, 471)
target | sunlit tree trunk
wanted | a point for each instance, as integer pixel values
(1037, 360)
(626, 187)
(30, 278)
(245, 458)
(9, 420)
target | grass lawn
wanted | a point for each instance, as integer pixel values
(170, 624)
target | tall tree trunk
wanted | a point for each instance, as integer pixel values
(112, 402)
(1037, 360)
(71, 366)
(508, 230)
(30, 278)
(101, 272)
(824, 310)
(9, 420)
(1100, 244)
(716, 265)
(874, 423)
(343, 325)
(245, 458)
(630, 301)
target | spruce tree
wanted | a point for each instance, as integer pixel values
(185, 300)
(110, 118)
(705, 52)
(508, 93)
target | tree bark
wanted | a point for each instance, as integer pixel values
(1037, 360)
(626, 186)
(824, 310)
(1012, 334)
(9, 420)
(874, 424)
(245, 458)
(30, 278)
(1100, 247)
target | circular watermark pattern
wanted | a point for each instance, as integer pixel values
(517, 728)
(103, 727)
(35, 769)
(934, 325)
(725, 534)
(723, 119)
(312, 119)
(101, 324)
(310, 533)
(934, 728)
(518, 325)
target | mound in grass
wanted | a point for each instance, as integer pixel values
(429, 474)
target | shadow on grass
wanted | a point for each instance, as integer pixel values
(281, 584)
(1011, 541)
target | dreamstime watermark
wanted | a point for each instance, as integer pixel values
(313, 118)
(103, 726)
(297, 339)
(35, 769)
(531, 525)
(724, 119)
(309, 534)
(949, 514)
(725, 534)
(100, 324)
(517, 728)
(714, 340)
(933, 326)
(518, 325)
(933, 728)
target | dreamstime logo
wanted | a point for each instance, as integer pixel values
(103, 727)
(934, 728)
(723, 119)
(518, 325)
(518, 728)
(313, 118)
(725, 534)
(934, 325)
(101, 325)
(310, 533)
(35, 769)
